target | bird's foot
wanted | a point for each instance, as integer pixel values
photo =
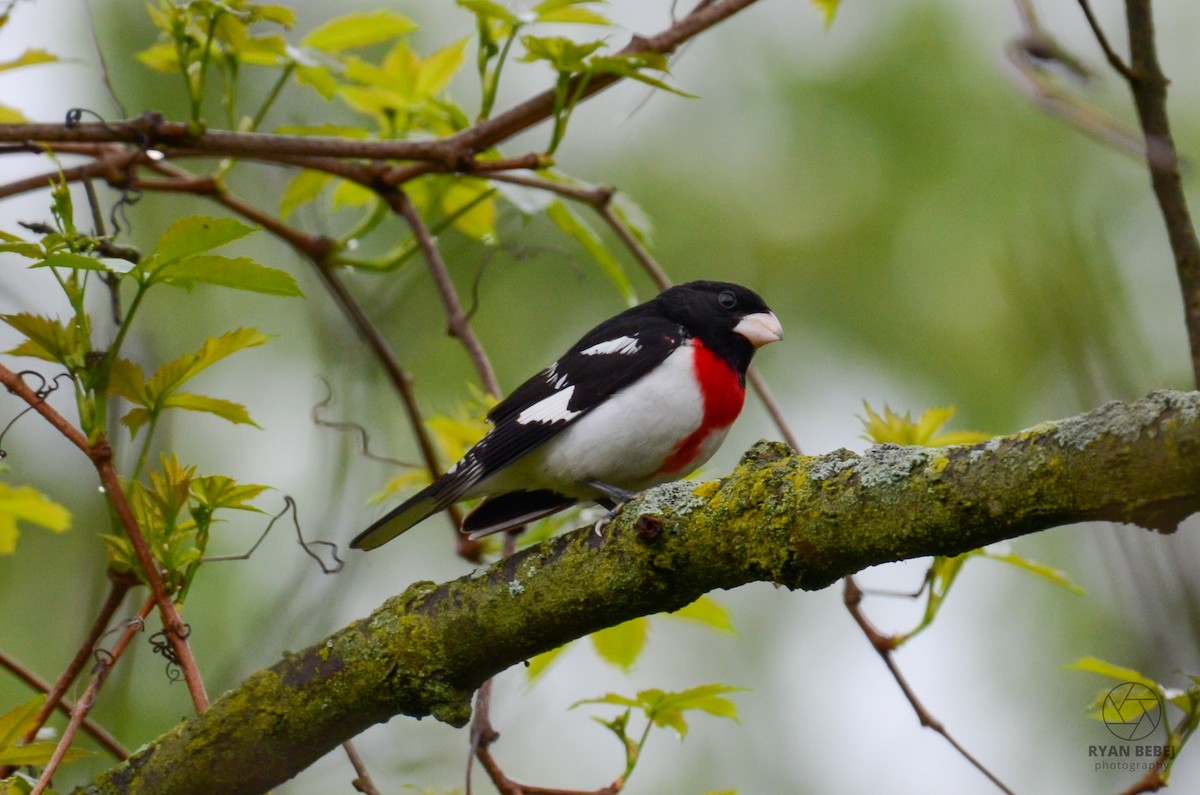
(615, 494)
(613, 498)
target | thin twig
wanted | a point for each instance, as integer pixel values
(100, 454)
(1084, 117)
(884, 645)
(1149, 87)
(1114, 60)
(459, 326)
(88, 699)
(1153, 781)
(97, 733)
(362, 777)
(120, 585)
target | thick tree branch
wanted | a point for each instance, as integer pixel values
(803, 522)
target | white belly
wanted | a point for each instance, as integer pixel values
(624, 441)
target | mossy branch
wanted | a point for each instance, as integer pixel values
(799, 521)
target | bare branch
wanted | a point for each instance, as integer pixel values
(883, 645)
(85, 703)
(460, 327)
(1114, 60)
(1149, 87)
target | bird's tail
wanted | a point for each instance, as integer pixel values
(437, 496)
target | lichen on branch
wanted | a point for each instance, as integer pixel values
(799, 521)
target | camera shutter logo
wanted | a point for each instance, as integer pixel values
(1131, 711)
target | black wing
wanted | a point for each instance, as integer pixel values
(609, 358)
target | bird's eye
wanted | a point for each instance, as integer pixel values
(727, 299)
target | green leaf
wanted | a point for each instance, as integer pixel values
(269, 50)
(161, 57)
(630, 65)
(241, 273)
(279, 14)
(17, 245)
(609, 698)
(569, 11)
(319, 78)
(136, 419)
(126, 379)
(707, 611)
(621, 645)
(38, 754)
(173, 374)
(900, 429)
(436, 70)
(28, 58)
(539, 664)
(666, 709)
(469, 202)
(69, 259)
(1094, 665)
(564, 54)
(15, 723)
(489, 10)
(303, 188)
(219, 491)
(1033, 567)
(27, 504)
(569, 222)
(828, 9)
(358, 30)
(226, 409)
(10, 115)
(49, 339)
(193, 235)
(351, 194)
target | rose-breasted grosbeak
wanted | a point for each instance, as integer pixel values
(645, 397)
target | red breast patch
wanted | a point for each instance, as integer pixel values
(723, 395)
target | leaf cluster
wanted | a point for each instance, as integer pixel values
(175, 513)
(182, 258)
(1186, 702)
(662, 709)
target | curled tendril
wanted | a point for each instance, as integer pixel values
(308, 546)
(129, 196)
(42, 391)
(103, 657)
(161, 644)
(364, 439)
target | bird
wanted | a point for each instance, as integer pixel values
(645, 397)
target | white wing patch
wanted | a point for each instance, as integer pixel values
(554, 378)
(617, 345)
(550, 410)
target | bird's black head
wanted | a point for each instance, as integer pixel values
(730, 319)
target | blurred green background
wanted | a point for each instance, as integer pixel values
(925, 233)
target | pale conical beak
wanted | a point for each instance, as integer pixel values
(760, 328)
